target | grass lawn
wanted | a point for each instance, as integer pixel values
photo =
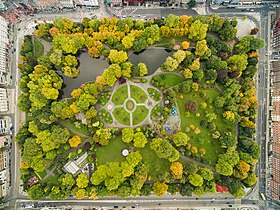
(38, 48)
(137, 94)
(40, 175)
(121, 115)
(139, 114)
(166, 80)
(67, 123)
(111, 152)
(120, 95)
(156, 165)
(52, 180)
(204, 138)
(154, 94)
(105, 116)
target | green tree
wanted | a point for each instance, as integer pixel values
(180, 139)
(36, 192)
(127, 135)
(202, 49)
(139, 140)
(206, 174)
(196, 180)
(142, 69)
(197, 31)
(82, 181)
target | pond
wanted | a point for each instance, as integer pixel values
(89, 68)
(153, 58)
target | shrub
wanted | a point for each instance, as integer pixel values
(191, 106)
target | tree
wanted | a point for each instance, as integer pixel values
(127, 41)
(139, 140)
(140, 43)
(241, 170)
(228, 31)
(202, 49)
(176, 170)
(159, 188)
(198, 74)
(187, 73)
(102, 136)
(80, 194)
(142, 69)
(197, 31)
(206, 174)
(172, 21)
(170, 64)
(192, 3)
(219, 102)
(75, 141)
(224, 168)
(254, 31)
(185, 45)
(180, 139)
(164, 149)
(196, 180)
(179, 55)
(134, 158)
(36, 192)
(82, 181)
(67, 180)
(227, 140)
(251, 180)
(117, 56)
(127, 135)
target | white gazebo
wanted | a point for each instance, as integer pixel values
(125, 152)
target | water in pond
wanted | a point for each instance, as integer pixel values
(153, 58)
(89, 68)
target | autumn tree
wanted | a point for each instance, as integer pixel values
(117, 56)
(197, 31)
(202, 49)
(75, 141)
(176, 170)
(159, 188)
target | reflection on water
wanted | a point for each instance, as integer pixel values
(153, 58)
(89, 68)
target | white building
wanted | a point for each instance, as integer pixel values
(4, 45)
(67, 3)
(4, 172)
(74, 166)
(4, 104)
(87, 3)
(5, 122)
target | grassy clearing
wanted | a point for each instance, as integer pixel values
(154, 94)
(204, 138)
(121, 115)
(120, 95)
(105, 116)
(38, 48)
(114, 148)
(156, 165)
(52, 180)
(78, 127)
(137, 94)
(139, 114)
(165, 80)
(40, 175)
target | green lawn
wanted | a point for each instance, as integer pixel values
(111, 152)
(38, 48)
(156, 165)
(105, 116)
(203, 139)
(80, 129)
(41, 175)
(154, 94)
(120, 95)
(138, 94)
(139, 114)
(121, 115)
(166, 80)
(52, 180)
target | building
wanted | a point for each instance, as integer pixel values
(74, 167)
(4, 172)
(87, 3)
(115, 3)
(3, 7)
(4, 106)
(275, 77)
(133, 2)
(4, 46)
(67, 3)
(275, 35)
(5, 122)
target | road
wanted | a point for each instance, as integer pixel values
(263, 89)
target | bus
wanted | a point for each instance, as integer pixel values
(263, 197)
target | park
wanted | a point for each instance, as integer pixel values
(130, 107)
